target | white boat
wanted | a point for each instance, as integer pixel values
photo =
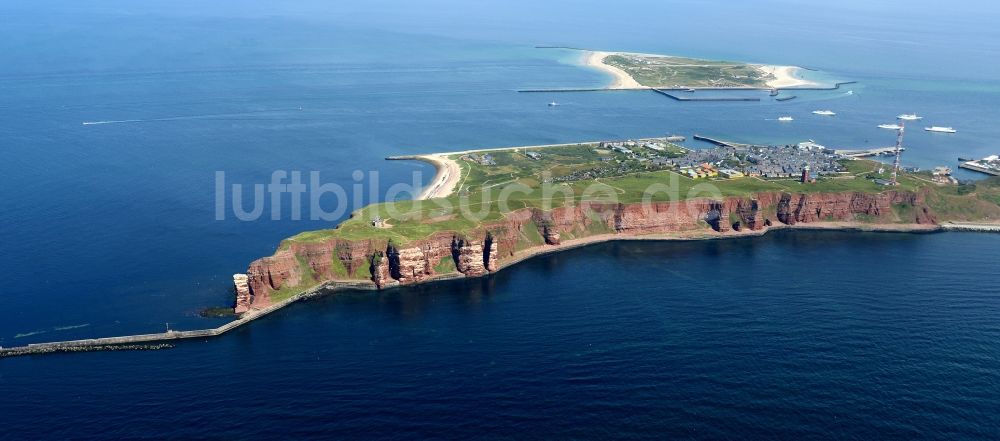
(909, 117)
(553, 104)
(824, 112)
(890, 126)
(786, 118)
(939, 129)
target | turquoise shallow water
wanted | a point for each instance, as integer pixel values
(109, 229)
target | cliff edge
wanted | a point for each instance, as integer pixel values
(299, 266)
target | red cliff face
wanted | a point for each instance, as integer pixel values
(380, 272)
(804, 208)
(479, 252)
(243, 297)
(271, 274)
(666, 217)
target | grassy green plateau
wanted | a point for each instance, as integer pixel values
(584, 172)
(669, 72)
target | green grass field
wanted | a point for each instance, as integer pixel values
(668, 72)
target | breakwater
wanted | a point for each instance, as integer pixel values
(562, 90)
(158, 340)
(718, 98)
(966, 226)
(972, 165)
(836, 86)
(52, 349)
(719, 142)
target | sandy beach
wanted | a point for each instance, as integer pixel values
(445, 180)
(622, 80)
(785, 77)
(449, 173)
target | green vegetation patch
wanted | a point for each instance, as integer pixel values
(515, 181)
(445, 266)
(674, 72)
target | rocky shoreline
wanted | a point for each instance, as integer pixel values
(494, 246)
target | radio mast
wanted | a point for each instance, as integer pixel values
(899, 148)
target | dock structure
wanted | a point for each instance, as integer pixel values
(861, 153)
(667, 91)
(975, 166)
(720, 142)
(966, 226)
(670, 95)
(563, 90)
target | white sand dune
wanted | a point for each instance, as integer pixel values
(622, 80)
(785, 76)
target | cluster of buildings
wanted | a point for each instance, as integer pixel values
(623, 147)
(701, 171)
(790, 161)
(655, 146)
(486, 159)
(804, 161)
(942, 175)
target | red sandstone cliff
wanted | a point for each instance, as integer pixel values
(479, 252)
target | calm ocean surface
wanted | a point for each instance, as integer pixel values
(109, 229)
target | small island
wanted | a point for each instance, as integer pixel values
(643, 71)
(489, 209)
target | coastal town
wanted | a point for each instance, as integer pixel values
(805, 161)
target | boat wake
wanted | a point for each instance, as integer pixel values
(94, 123)
(182, 118)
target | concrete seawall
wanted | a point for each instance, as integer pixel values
(661, 90)
(141, 341)
(680, 98)
(964, 226)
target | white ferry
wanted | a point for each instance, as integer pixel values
(824, 112)
(890, 126)
(786, 119)
(909, 117)
(939, 129)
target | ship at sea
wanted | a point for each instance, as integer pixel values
(786, 119)
(824, 112)
(890, 126)
(909, 117)
(938, 129)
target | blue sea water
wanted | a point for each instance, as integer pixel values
(110, 229)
